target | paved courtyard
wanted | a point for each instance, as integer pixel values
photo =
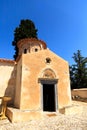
(73, 121)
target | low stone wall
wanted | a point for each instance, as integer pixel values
(79, 93)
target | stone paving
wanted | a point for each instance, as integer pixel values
(60, 122)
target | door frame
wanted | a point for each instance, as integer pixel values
(49, 81)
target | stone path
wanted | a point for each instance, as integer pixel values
(59, 122)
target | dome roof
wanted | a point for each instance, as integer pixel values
(31, 41)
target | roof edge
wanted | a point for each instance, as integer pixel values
(7, 61)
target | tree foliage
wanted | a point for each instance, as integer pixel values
(78, 71)
(26, 29)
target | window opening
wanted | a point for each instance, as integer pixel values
(25, 51)
(36, 49)
(48, 60)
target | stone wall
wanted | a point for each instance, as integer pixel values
(79, 93)
(7, 79)
(18, 84)
(33, 66)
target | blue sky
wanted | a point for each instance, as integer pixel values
(62, 24)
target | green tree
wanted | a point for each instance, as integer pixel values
(26, 29)
(78, 71)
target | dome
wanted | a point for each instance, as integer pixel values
(30, 45)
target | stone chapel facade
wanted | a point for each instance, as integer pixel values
(37, 82)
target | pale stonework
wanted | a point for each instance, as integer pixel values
(24, 80)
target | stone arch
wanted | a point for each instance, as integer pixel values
(48, 73)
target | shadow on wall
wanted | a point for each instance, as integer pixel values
(10, 90)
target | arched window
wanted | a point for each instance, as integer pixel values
(25, 51)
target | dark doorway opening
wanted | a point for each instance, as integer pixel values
(49, 97)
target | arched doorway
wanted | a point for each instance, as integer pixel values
(49, 90)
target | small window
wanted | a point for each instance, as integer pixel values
(25, 51)
(36, 49)
(48, 60)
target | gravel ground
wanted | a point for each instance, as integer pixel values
(59, 122)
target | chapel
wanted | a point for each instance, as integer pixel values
(38, 81)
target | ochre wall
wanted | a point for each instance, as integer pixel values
(33, 65)
(7, 79)
(82, 93)
(18, 84)
(20, 81)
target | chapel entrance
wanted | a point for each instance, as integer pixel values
(49, 100)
